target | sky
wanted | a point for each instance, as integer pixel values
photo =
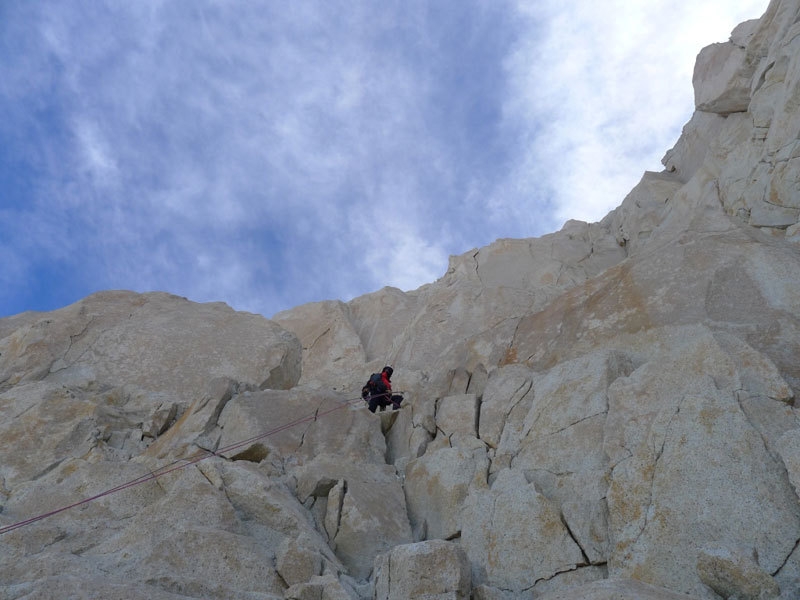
(266, 153)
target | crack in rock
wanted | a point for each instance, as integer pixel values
(564, 522)
(72, 339)
(603, 413)
(318, 338)
(786, 560)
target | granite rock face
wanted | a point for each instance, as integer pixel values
(608, 411)
(425, 570)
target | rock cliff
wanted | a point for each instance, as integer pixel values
(604, 412)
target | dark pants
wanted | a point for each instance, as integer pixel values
(384, 400)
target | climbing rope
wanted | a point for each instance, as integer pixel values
(181, 464)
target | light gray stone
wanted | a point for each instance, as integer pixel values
(365, 513)
(379, 318)
(320, 587)
(297, 562)
(616, 589)
(559, 445)
(733, 574)
(301, 423)
(436, 485)
(690, 151)
(153, 341)
(570, 579)
(503, 526)
(332, 350)
(643, 210)
(431, 570)
(789, 450)
(507, 386)
(722, 79)
(765, 214)
(458, 415)
(487, 592)
(681, 481)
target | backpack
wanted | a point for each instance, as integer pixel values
(373, 386)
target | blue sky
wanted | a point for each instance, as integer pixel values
(270, 153)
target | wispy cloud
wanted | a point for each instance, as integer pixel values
(270, 153)
(602, 93)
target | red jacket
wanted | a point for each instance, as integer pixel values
(386, 381)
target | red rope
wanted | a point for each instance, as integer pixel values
(177, 465)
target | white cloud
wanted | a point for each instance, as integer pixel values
(394, 250)
(95, 150)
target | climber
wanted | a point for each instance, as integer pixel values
(378, 391)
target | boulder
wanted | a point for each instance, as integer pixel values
(502, 528)
(676, 435)
(320, 587)
(558, 444)
(733, 574)
(297, 425)
(507, 387)
(152, 341)
(332, 350)
(430, 570)
(458, 415)
(379, 318)
(689, 153)
(643, 209)
(122, 539)
(365, 511)
(722, 79)
(436, 486)
(298, 561)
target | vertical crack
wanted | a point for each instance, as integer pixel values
(510, 355)
(208, 479)
(657, 453)
(585, 556)
(72, 338)
(788, 556)
(307, 429)
(737, 396)
(339, 509)
(517, 397)
(478, 405)
(389, 573)
(477, 272)
(318, 338)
